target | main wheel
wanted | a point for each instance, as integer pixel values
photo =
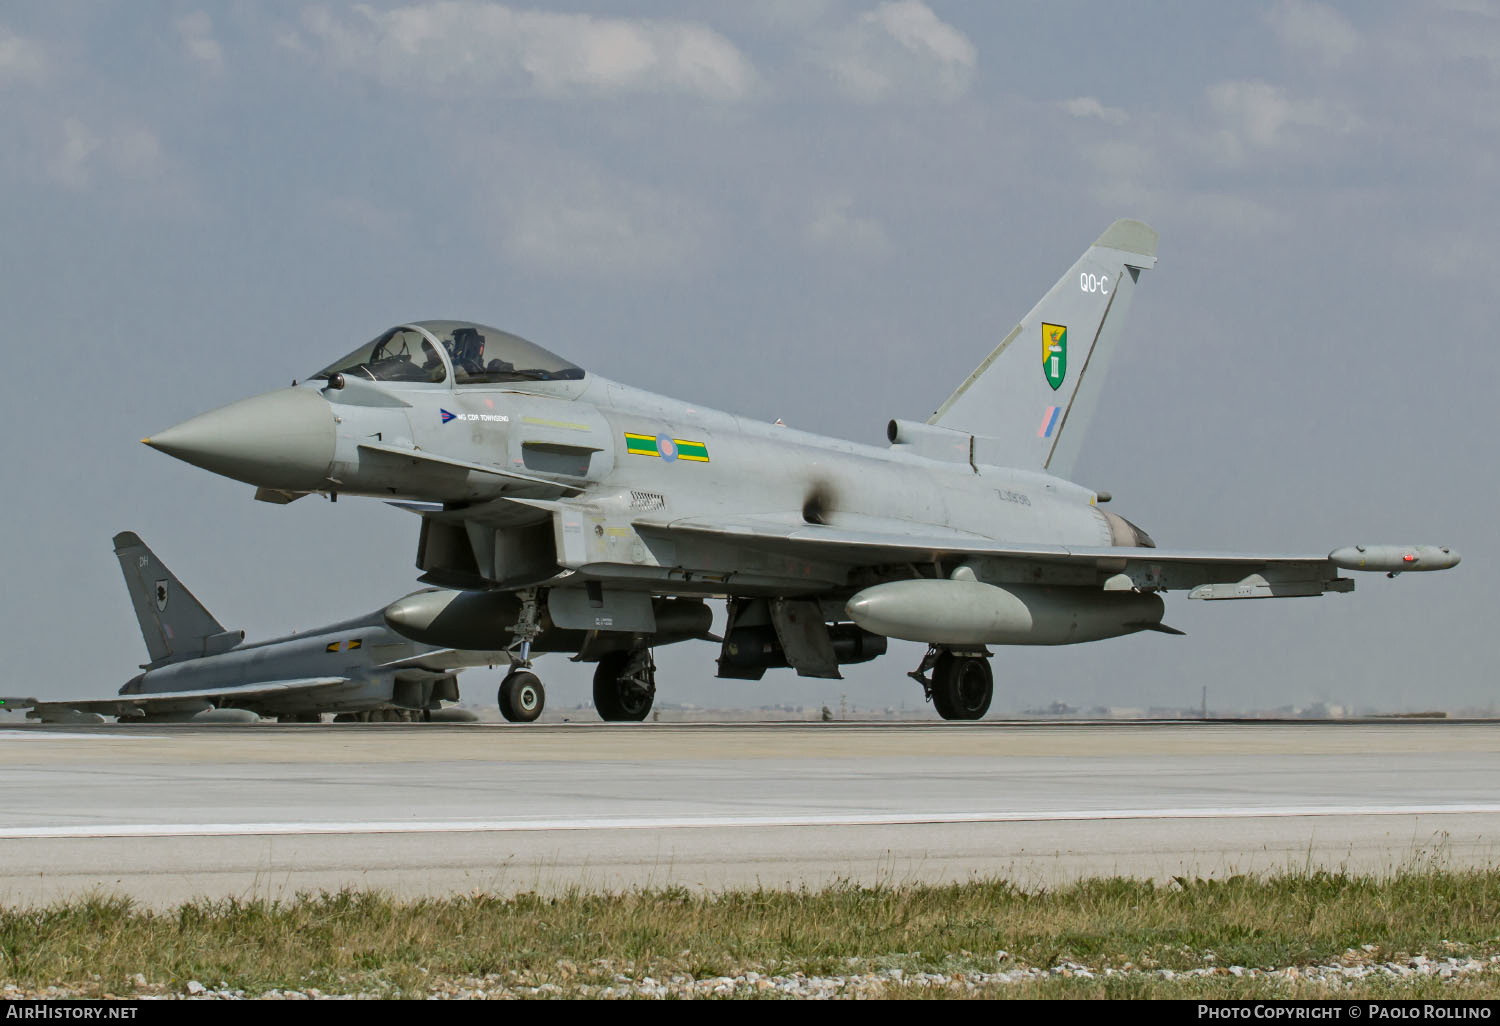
(962, 687)
(521, 696)
(618, 698)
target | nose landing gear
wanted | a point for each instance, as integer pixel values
(522, 696)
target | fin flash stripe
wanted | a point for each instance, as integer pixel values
(1049, 422)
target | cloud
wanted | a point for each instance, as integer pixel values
(1438, 43)
(1089, 107)
(1256, 115)
(79, 152)
(70, 160)
(564, 218)
(485, 48)
(900, 50)
(197, 32)
(1314, 29)
(78, 131)
(21, 59)
(835, 228)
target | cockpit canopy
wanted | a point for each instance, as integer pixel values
(477, 355)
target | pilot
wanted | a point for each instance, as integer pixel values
(468, 351)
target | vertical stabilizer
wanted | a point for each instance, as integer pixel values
(173, 622)
(1031, 400)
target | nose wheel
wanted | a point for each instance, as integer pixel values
(522, 696)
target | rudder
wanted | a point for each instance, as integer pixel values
(1031, 409)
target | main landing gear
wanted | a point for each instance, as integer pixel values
(625, 685)
(522, 696)
(961, 685)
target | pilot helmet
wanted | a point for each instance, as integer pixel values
(468, 344)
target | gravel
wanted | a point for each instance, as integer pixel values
(1355, 967)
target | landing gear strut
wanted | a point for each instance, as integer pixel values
(961, 685)
(625, 685)
(522, 696)
(525, 630)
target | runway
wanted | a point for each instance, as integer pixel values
(168, 813)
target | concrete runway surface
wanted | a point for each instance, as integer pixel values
(168, 813)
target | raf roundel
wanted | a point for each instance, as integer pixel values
(667, 448)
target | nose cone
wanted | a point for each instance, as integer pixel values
(455, 619)
(282, 439)
(413, 615)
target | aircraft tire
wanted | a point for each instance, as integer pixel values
(962, 687)
(522, 696)
(618, 700)
(940, 701)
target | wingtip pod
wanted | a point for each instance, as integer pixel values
(1395, 559)
(1130, 236)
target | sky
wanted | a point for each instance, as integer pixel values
(826, 211)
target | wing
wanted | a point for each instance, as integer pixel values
(870, 541)
(131, 706)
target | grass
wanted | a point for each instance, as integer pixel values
(354, 941)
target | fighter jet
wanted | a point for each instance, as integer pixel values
(565, 496)
(199, 672)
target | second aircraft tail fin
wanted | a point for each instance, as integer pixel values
(173, 622)
(1030, 401)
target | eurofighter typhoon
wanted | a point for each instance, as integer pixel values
(554, 497)
(199, 672)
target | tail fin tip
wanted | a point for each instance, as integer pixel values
(1130, 236)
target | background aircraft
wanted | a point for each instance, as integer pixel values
(586, 501)
(200, 672)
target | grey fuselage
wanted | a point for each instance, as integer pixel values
(353, 648)
(752, 468)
